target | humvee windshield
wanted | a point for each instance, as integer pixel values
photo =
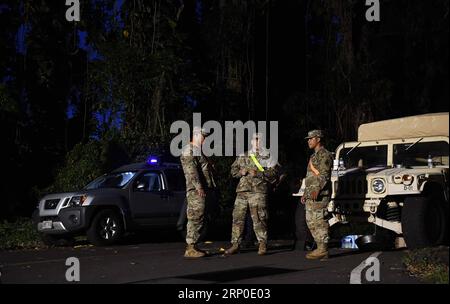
(411, 154)
(364, 157)
(115, 180)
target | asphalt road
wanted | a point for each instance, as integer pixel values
(159, 262)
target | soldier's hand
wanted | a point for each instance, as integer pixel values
(314, 195)
(252, 172)
(201, 192)
(243, 172)
(302, 200)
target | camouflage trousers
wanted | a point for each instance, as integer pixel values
(316, 213)
(195, 216)
(257, 204)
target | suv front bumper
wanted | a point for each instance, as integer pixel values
(68, 220)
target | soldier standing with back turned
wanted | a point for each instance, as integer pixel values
(199, 184)
(317, 193)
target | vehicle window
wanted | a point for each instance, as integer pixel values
(149, 181)
(417, 154)
(114, 180)
(364, 157)
(175, 179)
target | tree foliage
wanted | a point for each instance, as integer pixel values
(117, 79)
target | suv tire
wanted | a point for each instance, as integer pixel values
(106, 228)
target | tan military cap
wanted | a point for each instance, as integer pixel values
(314, 133)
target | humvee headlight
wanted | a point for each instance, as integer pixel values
(77, 200)
(407, 179)
(378, 186)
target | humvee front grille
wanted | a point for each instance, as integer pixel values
(51, 204)
(351, 186)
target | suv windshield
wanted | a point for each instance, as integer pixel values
(417, 154)
(364, 157)
(114, 180)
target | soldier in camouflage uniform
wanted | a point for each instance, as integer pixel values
(199, 182)
(255, 178)
(317, 193)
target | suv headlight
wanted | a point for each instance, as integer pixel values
(76, 201)
(378, 185)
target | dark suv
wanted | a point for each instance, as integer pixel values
(130, 198)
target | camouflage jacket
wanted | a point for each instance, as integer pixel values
(261, 181)
(318, 173)
(197, 169)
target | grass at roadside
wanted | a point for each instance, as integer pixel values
(428, 264)
(19, 234)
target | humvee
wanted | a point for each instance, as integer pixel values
(395, 177)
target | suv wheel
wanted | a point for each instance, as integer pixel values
(424, 222)
(106, 228)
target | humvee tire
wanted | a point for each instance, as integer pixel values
(424, 222)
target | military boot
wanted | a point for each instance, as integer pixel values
(310, 246)
(262, 248)
(232, 250)
(321, 253)
(192, 252)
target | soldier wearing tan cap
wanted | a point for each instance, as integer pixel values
(317, 193)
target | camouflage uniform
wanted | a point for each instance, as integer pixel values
(252, 193)
(198, 175)
(317, 180)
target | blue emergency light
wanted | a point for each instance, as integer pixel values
(152, 160)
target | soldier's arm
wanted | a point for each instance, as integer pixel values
(324, 169)
(189, 164)
(271, 174)
(208, 174)
(235, 168)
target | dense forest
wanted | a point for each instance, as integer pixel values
(80, 98)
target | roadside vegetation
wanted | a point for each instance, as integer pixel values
(19, 234)
(428, 264)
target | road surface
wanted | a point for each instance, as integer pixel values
(156, 263)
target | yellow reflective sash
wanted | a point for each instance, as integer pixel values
(256, 162)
